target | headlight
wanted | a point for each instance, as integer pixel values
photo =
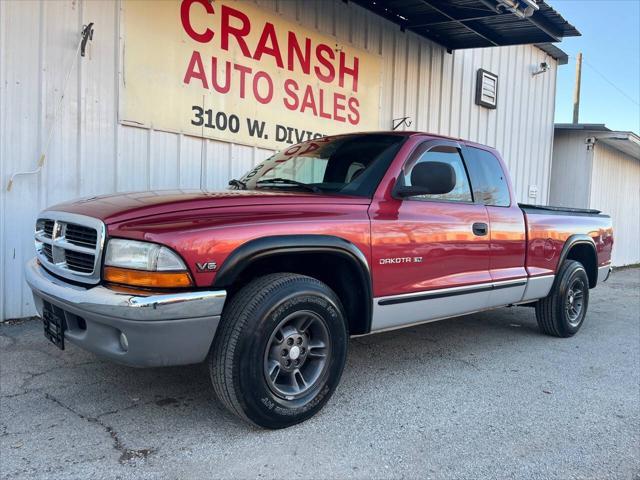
(142, 256)
(144, 264)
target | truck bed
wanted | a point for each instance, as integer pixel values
(548, 228)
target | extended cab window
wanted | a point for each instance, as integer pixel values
(446, 154)
(346, 164)
(489, 180)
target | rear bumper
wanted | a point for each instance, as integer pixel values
(161, 330)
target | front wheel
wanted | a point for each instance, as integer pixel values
(562, 312)
(280, 350)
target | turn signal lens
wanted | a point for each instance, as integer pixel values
(140, 278)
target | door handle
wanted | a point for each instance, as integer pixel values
(480, 229)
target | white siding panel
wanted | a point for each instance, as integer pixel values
(92, 154)
(98, 108)
(423, 86)
(3, 152)
(602, 178)
(218, 164)
(22, 47)
(399, 73)
(615, 189)
(190, 161)
(571, 170)
(63, 172)
(133, 158)
(431, 63)
(164, 160)
(412, 81)
(241, 160)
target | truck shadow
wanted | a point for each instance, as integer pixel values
(184, 397)
(137, 407)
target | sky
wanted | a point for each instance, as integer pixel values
(610, 46)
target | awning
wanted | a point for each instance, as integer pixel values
(626, 142)
(460, 24)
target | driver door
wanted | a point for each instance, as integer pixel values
(430, 253)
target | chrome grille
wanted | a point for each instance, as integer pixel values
(80, 235)
(46, 248)
(70, 245)
(47, 226)
(79, 262)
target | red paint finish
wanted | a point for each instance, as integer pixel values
(122, 207)
(508, 236)
(211, 234)
(439, 233)
(546, 235)
(508, 242)
(433, 240)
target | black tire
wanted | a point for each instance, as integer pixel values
(239, 359)
(559, 314)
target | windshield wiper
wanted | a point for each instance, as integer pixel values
(238, 183)
(288, 181)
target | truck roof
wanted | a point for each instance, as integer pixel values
(410, 133)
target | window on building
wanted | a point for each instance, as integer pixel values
(489, 180)
(445, 154)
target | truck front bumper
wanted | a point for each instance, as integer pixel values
(132, 329)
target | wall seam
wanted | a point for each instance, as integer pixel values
(116, 91)
(3, 175)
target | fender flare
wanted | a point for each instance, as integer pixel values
(572, 241)
(259, 248)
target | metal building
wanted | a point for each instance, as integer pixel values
(594, 167)
(432, 56)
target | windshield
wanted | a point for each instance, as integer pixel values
(348, 165)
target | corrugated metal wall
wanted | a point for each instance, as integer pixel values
(571, 166)
(615, 189)
(91, 153)
(602, 178)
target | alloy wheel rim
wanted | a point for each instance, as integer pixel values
(574, 302)
(297, 354)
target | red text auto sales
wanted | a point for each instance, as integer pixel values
(297, 56)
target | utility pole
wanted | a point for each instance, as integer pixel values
(576, 89)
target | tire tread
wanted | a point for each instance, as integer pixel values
(234, 319)
(547, 308)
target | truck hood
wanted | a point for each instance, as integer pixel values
(121, 207)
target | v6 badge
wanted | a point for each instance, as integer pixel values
(206, 266)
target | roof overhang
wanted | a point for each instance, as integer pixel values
(460, 24)
(625, 142)
(554, 52)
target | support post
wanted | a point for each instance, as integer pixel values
(576, 90)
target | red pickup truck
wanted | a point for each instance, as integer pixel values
(335, 237)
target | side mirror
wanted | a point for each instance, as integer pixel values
(429, 178)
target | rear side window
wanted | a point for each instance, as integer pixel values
(488, 180)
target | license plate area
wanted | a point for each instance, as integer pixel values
(54, 324)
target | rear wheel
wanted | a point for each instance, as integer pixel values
(280, 350)
(563, 311)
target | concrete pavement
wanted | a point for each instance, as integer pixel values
(483, 396)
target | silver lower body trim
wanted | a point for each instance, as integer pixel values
(538, 287)
(604, 272)
(421, 307)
